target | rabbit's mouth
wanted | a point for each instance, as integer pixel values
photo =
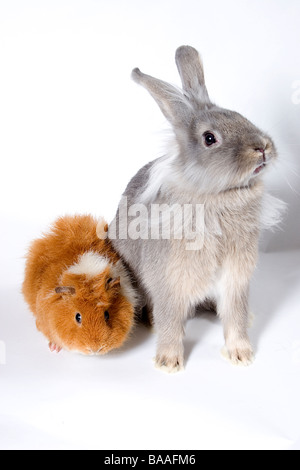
(260, 168)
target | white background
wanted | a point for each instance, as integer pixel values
(73, 130)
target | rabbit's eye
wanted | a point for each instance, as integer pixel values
(78, 318)
(106, 316)
(209, 139)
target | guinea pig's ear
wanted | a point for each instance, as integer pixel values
(112, 283)
(65, 290)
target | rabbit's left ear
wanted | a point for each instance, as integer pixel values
(190, 69)
(172, 102)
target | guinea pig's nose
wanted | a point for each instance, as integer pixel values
(95, 350)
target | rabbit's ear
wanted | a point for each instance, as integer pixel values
(190, 68)
(174, 105)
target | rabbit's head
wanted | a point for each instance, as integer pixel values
(218, 149)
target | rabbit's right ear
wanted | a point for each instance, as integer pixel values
(174, 105)
(190, 68)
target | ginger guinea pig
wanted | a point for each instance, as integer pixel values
(78, 288)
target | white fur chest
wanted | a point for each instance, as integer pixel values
(230, 234)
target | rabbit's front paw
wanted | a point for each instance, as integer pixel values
(169, 364)
(239, 356)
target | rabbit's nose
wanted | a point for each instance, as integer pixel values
(262, 151)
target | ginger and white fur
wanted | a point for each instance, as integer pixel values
(70, 271)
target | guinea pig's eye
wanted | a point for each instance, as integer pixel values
(78, 318)
(209, 139)
(106, 316)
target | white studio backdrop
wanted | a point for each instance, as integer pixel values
(74, 129)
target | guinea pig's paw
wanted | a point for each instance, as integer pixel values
(170, 365)
(238, 356)
(54, 348)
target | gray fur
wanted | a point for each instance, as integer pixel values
(222, 178)
(139, 182)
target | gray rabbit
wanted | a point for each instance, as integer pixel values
(217, 161)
